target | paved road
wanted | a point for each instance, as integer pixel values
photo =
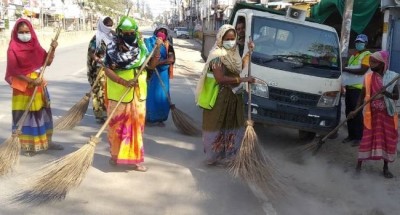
(177, 182)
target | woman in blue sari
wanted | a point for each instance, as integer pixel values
(157, 105)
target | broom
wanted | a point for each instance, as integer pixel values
(11, 148)
(62, 175)
(181, 120)
(315, 146)
(251, 164)
(75, 114)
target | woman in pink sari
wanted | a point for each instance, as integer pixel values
(380, 135)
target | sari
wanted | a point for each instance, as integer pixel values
(157, 104)
(379, 141)
(126, 127)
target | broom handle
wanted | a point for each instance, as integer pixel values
(103, 127)
(163, 87)
(360, 108)
(25, 114)
(249, 89)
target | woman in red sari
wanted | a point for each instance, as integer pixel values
(379, 141)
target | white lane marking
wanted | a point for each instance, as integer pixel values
(79, 71)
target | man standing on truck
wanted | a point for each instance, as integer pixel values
(353, 76)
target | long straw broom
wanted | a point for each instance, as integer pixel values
(75, 114)
(251, 164)
(316, 145)
(62, 175)
(181, 120)
(11, 148)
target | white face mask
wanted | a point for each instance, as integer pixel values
(229, 44)
(24, 37)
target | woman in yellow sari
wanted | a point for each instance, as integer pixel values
(124, 56)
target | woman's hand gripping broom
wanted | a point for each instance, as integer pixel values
(11, 148)
(181, 120)
(60, 176)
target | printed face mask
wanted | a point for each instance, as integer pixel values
(360, 46)
(229, 44)
(24, 37)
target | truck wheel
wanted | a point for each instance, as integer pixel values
(306, 135)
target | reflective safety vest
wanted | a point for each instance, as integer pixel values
(115, 90)
(355, 62)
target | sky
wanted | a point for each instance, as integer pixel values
(158, 6)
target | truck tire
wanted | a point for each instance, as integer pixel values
(306, 135)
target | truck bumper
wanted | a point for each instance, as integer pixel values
(313, 119)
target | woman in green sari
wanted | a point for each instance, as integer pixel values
(223, 124)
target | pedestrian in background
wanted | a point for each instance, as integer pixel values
(95, 59)
(223, 124)
(25, 57)
(353, 76)
(124, 56)
(157, 105)
(379, 141)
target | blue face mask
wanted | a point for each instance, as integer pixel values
(360, 46)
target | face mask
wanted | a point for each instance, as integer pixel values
(360, 46)
(129, 39)
(162, 36)
(24, 37)
(229, 44)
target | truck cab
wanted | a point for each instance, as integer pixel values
(297, 65)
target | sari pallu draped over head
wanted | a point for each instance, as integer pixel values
(103, 32)
(230, 58)
(151, 43)
(23, 57)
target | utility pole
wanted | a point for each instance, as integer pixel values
(346, 28)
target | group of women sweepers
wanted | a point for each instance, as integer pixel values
(122, 52)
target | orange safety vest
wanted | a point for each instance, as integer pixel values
(367, 108)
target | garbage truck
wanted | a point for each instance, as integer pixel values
(297, 65)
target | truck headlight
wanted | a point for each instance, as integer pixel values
(260, 89)
(329, 99)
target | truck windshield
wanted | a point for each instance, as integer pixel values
(296, 48)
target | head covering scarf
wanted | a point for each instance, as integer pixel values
(159, 28)
(103, 32)
(23, 57)
(382, 56)
(137, 51)
(230, 58)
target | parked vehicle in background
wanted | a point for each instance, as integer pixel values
(182, 32)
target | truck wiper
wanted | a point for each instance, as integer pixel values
(303, 64)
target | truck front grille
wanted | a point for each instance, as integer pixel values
(293, 97)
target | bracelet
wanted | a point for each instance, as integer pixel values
(237, 80)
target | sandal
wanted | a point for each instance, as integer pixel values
(29, 154)
(387, 174)
(53, 146)
(140, 168)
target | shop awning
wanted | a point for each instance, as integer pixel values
(363, 11)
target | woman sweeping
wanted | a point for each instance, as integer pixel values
(223, 124)
(96, 56)
(379, 141)
(25, 57)
(124, 56)
(157, 105)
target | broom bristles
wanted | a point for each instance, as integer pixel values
(184, 122)
(252, 165)
(60, 176)
(74, 115)
(9, 154)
